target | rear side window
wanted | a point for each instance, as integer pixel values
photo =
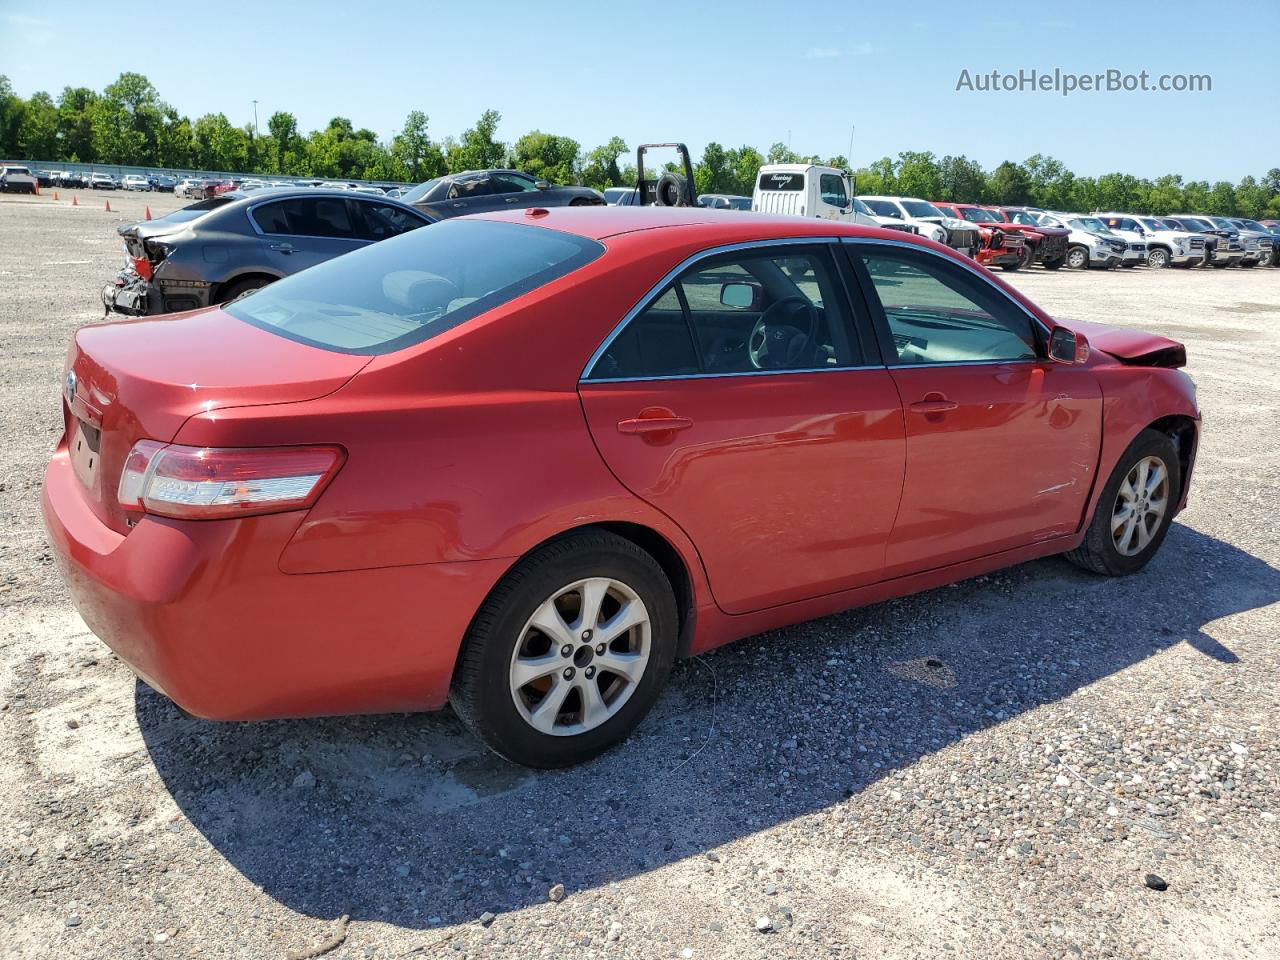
(391, 295)
(307, 217)
(770, 310)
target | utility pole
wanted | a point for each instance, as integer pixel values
(255, 119)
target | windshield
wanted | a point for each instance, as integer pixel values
(1092, 224)
(198, 209)
(861, 207)
(884, 208)
(1020, 216)
(1252, 225)
(1151, 223)
(417, 193)
(1194, 223)
(403, 291)
(977, 215)
(919, 208)
(17, 169)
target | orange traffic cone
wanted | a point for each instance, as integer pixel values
(55, 195)
(74, 201)
(108, 207)
(148, 216)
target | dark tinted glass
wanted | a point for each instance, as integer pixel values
(271, 217)
(390, 295)
(781, 181)
(378, 221)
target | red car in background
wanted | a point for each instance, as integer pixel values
(521, 462)
(1006, 249)
(1048, 244)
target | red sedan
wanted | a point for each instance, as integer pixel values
(520, 463)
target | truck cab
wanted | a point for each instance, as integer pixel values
(806, 190)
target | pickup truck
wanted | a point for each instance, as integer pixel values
(1006, 249)
(1256, 242)
(806, 190)
(1222, 246)
(15, 179)
(1165, 247)
(924, 218)
(1048, 244)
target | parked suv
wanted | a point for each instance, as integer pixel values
(1135, 238)
(1222, 247)
(135, 181)
(928, 221)
(1090, 243)
(102, 181)
(1002, 248)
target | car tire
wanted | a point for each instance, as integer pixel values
(1028, 257)
(1113, 546)
(1129, 264)
(240, 288)
(504, 645)
(1158, 258)
(1055, 264)
(1011, 267)
(1251, 263)
(1078, 258)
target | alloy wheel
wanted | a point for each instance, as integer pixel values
(1157, 258)
(1140, 506)
(580, 656)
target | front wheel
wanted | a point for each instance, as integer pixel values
(1135, 509)
(1078, 258)
(569, 651)
(1055, 264)
(1158, 258)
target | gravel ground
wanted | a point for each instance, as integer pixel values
(992, 769)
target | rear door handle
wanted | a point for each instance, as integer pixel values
(283, 247)
(654, 424)
(936, 403)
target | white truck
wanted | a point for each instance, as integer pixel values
(1163, 247)
(807, 190)
(922, 217)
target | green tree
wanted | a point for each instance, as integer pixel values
(283, 129)
(1051, 182)
(744, 164)
(478, 148)
(38, 129)
(1195, 197)
(546, 156)
(1009, 183)
(600, 166)
(919, 175)
(176, 146)
(75, 126)
(961, 180)
(1164, 196)
(713, 173)
(1222, 200)
(414, 153)
(1251, 198)
(11, 110)
(217, 144)
(781, 153)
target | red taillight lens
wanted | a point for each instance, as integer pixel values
(142, 266)
(209, 483)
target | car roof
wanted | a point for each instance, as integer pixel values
(601, 222)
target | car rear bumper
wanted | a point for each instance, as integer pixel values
(201, 611)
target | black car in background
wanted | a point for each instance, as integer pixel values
(258, 237)
(480, 191)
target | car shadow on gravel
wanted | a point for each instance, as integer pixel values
(404, 819)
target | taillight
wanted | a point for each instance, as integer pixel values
(210, 483)
(142, 266)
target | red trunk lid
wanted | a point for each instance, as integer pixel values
(141, 379)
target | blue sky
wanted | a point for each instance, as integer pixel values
(742, 72)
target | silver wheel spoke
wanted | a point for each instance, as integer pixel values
(631, 614)
(543, 717)
(1127, 536)
(629, 665)
(593, 593)
(547, 619)
(528, 669)
(1140, 507)
(594, 710)
(1121, 517)
(1155, 479)
(1127, 493)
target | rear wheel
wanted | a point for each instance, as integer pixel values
(1135, 509)
(238, 289)
(569, 652)
(1078, 258)
(1056, 263)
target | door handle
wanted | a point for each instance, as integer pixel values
(511, 199)
(654, 424)
(459, 204)
(934, 403)
(283, 247)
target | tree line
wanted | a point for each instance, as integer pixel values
(128, 124)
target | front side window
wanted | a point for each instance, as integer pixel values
(1020, 217)
(919, 208)
(832, 188)
(939, 313)
(387, 296)
(771, 309)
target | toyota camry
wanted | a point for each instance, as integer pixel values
(521, 462)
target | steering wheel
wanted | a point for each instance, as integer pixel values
(775, 342)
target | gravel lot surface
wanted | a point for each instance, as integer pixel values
(988, 770)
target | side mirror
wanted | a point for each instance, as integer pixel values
(1067, 346)
(741, 295)
(542, 185)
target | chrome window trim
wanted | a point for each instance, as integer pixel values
(661, 285)
(730, 373)
(977, 271)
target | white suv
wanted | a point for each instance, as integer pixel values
(1090, 244)
(927, 220)
(1165, 247)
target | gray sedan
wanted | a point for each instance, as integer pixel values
(480, 191)
(222, 247)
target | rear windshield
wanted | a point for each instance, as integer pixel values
(402, 291)
(194, 211)
(781, 181)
